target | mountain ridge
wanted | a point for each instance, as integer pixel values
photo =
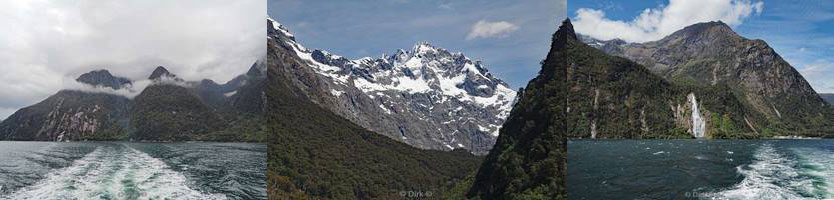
(710, 54)
(80, 114)
(427, 96)
(315, 153)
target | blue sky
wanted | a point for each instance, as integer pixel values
(510, 37)
(801, 32)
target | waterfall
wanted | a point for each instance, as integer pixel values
(699, 125)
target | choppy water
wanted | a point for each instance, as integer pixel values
(700, 169)
(52, 170)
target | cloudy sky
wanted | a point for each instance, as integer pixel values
(801, 32)
(47, 44)
(510, 37)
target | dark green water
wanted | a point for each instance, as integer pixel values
(700, 169)
(54, 170)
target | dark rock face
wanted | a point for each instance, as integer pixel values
(103, 78)
(160, 72)
(427, 97)
(711, 54)
(170, 109)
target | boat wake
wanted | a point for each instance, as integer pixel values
(799, 174)
(113, 172)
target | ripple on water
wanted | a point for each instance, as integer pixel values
(113, 172)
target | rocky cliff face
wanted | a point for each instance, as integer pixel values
(170, 109)
(711, 54)
(427, 97)
(69, 116)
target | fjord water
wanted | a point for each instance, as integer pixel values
(700, 169)
(81, 170)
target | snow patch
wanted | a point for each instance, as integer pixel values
(336, 92)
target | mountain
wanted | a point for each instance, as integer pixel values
(828, 97)
(427, 97)
(774, 98)
(160, 72)
(103, 78)
(528, 160)
(315, 153)
(170, 112)
(69, 116)
(169, 109)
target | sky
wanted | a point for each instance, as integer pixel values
(45, 45)
(801, 32)
(509, 37)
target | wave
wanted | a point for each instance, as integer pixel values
(780, 175)
(113, 172)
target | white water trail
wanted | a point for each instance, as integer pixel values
(113, 172)
(699, 125)
(773, 175)
(819, 166)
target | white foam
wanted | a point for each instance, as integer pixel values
(771, 175)
(113, 172)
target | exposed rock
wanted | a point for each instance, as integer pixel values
(427, 97)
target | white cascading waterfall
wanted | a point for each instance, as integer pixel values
(699, 125)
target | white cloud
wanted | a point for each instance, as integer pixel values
(485, 29)
(45, 45)
(656, 23)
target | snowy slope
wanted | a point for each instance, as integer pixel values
(427, 96)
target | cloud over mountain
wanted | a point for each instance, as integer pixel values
(49, 43)
(655, 23)
(485, 29)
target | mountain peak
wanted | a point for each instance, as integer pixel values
(276, 28)
(100, 72)
(565, 31)
(159, 72)
(712, 29)
(424, 47)
(102, 77)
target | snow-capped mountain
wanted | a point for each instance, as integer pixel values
(427, 96)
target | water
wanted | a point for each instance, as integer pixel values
(80, 170)
(700, 169)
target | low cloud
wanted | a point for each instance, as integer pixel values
(129, 90)
(485, 29)
(656, 23)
